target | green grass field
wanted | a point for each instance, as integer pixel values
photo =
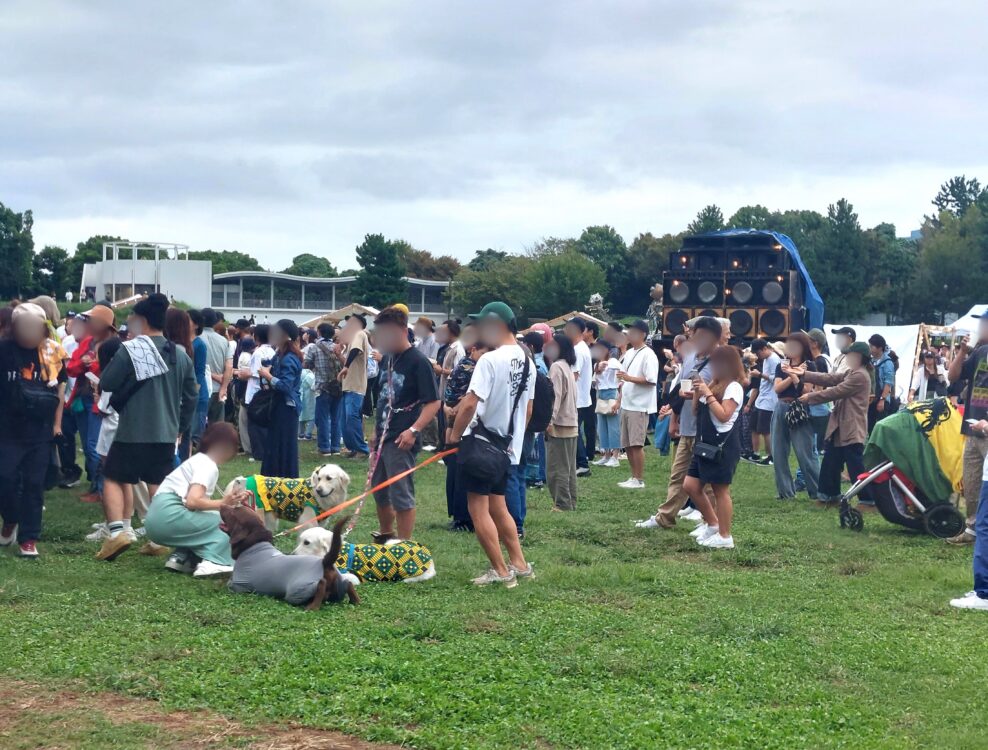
(806, 636)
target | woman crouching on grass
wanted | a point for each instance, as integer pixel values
(718, 446)
(183, 516)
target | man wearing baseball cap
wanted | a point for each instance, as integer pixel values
(495, 410)
(84, 367)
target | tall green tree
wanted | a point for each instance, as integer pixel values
(842, 275)
(421, 264)
(558, 283)
(380, 281)
(893, 262)
(710, 219)
(485, 259)
(51, 271)
(648, 257)
(504, 279)
(16, 251)
(603, 246)
(958, 194)
(225, 261)
(751, 217)
(312, 266)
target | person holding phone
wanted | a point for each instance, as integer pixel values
(970, 366)
(789, 436)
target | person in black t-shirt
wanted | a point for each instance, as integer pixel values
(408, 402)
(32, 382)
(970, 366)
(801, 437)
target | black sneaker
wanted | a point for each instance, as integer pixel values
(767, 461)
(583, 472)
(751, 458)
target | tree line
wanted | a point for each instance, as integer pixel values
(857, 270)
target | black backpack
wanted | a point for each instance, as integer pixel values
(545, 395)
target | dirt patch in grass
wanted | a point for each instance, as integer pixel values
(33, 716)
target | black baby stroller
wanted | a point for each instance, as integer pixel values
(916, 458)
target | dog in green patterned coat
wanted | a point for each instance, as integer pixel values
(394, 560)
(294, 500)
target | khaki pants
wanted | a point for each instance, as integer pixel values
(676, 496)
(560, 471)
(243, 430)
(975, 449)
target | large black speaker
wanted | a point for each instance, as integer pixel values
(693, 289)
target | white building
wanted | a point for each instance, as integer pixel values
(267, 296)
(131, 268)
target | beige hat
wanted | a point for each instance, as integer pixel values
(29, 309)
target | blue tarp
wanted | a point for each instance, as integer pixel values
(812, 298)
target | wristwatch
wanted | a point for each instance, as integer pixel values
(413, 430)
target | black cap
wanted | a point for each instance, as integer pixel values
(242, 323)
(845, 331)
(640, 325)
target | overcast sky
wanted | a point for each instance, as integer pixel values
(285, 127)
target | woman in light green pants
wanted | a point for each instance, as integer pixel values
(182, 514)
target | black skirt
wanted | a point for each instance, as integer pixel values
(721, 470)
(281, 443)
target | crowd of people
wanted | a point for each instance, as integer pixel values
(158, 404)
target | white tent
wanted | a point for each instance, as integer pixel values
(902, 340)
(969, 323)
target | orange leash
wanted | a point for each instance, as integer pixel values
(365, 493)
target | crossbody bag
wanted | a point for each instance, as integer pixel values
(484, 453)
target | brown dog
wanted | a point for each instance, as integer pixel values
(259, 568)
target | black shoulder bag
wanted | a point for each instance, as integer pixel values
(32, 399)
(483, 453)
(710, 450)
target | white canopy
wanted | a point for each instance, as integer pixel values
(969, 322)
(901, 339)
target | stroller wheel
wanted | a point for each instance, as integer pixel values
(851, 518)
(943, 521)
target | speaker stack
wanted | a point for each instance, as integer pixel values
(748, 279)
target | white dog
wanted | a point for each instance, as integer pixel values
(295, 500)
(395, 560)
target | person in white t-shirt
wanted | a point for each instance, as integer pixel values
(718, 447)
(638, 375)
(497, 384)
(583, 369)
(182, 514)
(263, 354)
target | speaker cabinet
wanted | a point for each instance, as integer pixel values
(693, 289)
(773, 323)
(743, 321)
(674, 320)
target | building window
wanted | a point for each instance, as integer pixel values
(257, 294)
(319, 297)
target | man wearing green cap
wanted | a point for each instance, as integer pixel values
(496, 409)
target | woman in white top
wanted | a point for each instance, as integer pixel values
(608, 404)
(929, 380)
(718, 446)
(182, 514)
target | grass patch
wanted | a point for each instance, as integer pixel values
(805, 636)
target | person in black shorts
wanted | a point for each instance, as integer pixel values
(155, 391)
(718, 446)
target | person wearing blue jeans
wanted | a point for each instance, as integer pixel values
(514, 493)
(608, 430)
(329, 423)
(661, 436)
(353, 424)
(978, 598)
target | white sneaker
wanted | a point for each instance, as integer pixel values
(716, 541)
(684, 512)
(491, 576)
(694, 515)
(177, 563)
(970, 600)
(429, 448)
(7, 539)
(206, 569)
(648, 523)
(702, 533)
(602, 461)
(141, 531)
(632, 484)
(101, 533)
(132, 535)
(612, 463)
